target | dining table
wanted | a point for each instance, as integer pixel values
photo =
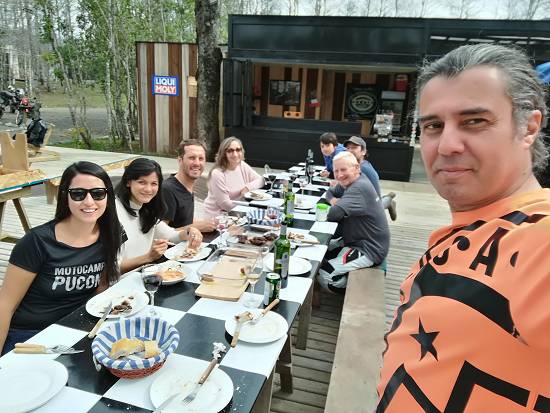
(200, 323)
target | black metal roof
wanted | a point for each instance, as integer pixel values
(374, 40)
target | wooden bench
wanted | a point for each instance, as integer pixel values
(358, 355)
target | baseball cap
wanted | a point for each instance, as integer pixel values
(356, 140)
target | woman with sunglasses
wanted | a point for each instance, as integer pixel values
(56, 267)
(230, 178)
(140, 208)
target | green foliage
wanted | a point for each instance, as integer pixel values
(99, 144)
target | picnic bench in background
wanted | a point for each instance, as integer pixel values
(358, 356)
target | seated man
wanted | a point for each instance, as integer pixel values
(178, 189)
(329, 148)
(365, 235)
(358, 147)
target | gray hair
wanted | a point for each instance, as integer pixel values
(523, 86)
(346, 155)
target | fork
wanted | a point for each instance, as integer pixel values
(191, 396)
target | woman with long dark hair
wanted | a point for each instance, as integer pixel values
(140, 208)
(230, 178)
(58, 266)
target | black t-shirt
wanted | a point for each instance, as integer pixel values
(180, 203)
(66, 277)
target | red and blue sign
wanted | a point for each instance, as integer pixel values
(166, 85)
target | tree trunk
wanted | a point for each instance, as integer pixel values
(208, 76)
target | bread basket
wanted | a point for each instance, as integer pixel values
(145, 328)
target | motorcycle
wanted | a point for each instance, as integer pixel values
(10, 98)
(28, 108)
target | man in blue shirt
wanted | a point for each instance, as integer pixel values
(357, 146)
(330, 148)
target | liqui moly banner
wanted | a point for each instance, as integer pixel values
(166, 85)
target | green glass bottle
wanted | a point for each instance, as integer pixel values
(289, 198)
(282, 256)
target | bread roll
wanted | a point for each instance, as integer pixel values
(151, 348)
(126, 346)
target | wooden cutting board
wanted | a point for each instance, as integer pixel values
(220, 290)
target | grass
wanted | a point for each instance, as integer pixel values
(57, 98)
(101, 144)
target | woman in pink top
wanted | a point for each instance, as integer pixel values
(230, 178)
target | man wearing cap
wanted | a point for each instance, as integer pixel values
(357, 146)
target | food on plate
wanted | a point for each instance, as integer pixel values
(236, 230)
(126, 346)
(295, 236)
(171, 274)
(151, 348)
(270, 236)
(189, 253)
(124, 307)
(258, 241)
(258, 195)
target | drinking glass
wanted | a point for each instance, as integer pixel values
(222, 222)
(302, 181)
(269, 176)
(151, 282)
(253, 276)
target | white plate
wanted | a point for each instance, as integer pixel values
(176, 251)
(27, 385)
(298, 266)
(212, 397)
(97, 304)
(269, 328)
(307, 237)
(304, 205)
(185, 269)
(265, 195)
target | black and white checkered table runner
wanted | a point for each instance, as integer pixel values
(199, 321)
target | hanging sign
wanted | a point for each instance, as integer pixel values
(166, 85)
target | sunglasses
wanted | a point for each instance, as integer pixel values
(78, 194)
(230, 150)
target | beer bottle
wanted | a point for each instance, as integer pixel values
(282, 256)
(289, 198)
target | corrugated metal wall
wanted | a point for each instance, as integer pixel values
(165, 120)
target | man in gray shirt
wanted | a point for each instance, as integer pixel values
(363, 229)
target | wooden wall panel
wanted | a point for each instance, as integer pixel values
(320, 96)
(151, 120)
(276, 72)
(193, 59)
(311, 91)
(162, 112)
(175, 131)
(264, 103)
(287, 76)
(257, 85)
(296, 73)
(303, 79)
(327, 91)
(141, 60)
(339, 94)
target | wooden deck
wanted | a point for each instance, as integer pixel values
(420, 211)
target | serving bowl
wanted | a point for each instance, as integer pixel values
(145, 328)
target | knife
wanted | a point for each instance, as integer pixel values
(191, 396)
(241, 319)
(106, 312)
